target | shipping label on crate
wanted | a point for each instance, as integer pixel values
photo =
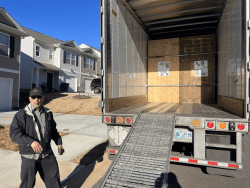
(201, 69)
(164, 68)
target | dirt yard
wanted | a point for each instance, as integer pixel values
(67, 103)
(89, 156)
(5, 141)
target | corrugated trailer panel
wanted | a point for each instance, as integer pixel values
(114, 13)
(122, 49)
(130, 55)
(230, 69)
(140, 61)
(240, 84)
(136, 57)
(145, 62)
(126, 53)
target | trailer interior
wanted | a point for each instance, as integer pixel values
(178, 56)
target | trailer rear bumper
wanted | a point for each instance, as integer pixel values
(209, 163)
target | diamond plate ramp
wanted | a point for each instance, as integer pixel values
(143, 159)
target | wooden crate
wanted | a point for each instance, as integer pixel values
(165, 47)
(182, 70)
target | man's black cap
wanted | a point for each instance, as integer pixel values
(36, 92)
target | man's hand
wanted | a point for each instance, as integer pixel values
(60, 150)
(36, 147)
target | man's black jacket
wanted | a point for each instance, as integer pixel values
(22, 130)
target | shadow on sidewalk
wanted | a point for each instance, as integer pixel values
(89, 160)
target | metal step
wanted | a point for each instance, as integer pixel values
(143, 159)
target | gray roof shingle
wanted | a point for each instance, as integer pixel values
(42, 37)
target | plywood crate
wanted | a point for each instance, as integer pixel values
(156, 92)
(201, 50)
(182, 70)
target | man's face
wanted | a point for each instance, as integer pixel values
(36, 101)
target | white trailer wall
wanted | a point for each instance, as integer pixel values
(128, 53)
(231, 65)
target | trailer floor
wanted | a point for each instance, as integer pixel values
(180, 109)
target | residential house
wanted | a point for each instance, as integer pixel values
(48, 62)
(10, 39)
(91, 66)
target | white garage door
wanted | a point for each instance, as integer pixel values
(72, 81)
(87, 86)
(5, 94)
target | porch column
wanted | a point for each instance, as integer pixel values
(37, 77)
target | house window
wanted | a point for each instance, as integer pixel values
(73, 59)
(37, 50)
(70, 58)
(50, 54)
(89, 63)
(4, 44)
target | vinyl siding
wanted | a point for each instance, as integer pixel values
(85, 70)
(44, 53)
(69, 66)
(27, 64)
(11, 63)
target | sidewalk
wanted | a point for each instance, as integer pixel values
(87, 94)
(85, 132)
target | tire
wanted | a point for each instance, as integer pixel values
(97, 90)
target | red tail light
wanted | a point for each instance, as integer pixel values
(241, 126)
(128, 120)
(210, 125)
(107, 119)
(112, 151)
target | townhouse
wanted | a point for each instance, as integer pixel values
(10, 40)
(47, 62)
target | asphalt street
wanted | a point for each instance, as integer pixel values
(180, 175)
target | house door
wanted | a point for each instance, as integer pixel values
(49, 81)
(87, 83)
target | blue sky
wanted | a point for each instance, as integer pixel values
(77, 20)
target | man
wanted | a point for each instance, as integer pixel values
(32, 128)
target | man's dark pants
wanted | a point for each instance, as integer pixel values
(47, 168)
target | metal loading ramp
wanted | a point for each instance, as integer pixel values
(143, 159)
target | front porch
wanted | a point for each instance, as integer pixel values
(45, 76)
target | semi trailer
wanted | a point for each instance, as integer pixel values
(175, 87)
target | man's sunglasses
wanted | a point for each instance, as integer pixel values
(34, 97)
